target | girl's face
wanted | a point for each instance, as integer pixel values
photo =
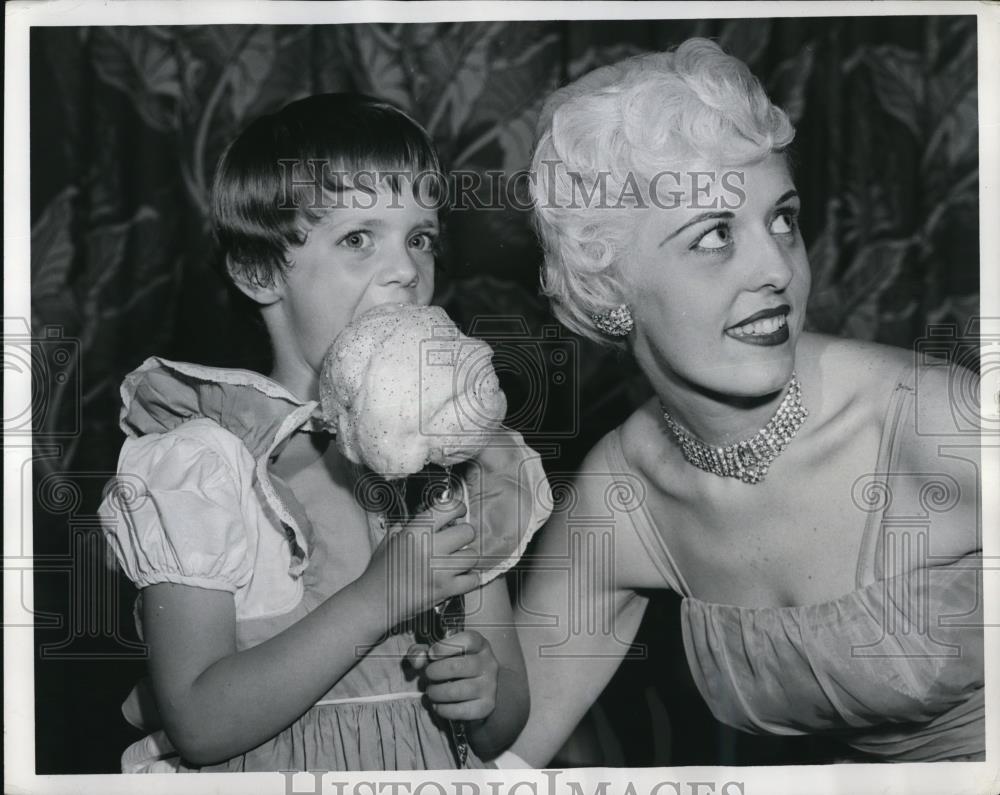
(719, 286)
(372, 248)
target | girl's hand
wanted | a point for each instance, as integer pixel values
(460, 675)
(422, 563)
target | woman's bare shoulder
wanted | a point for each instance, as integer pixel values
(855, 364)
(642, 435)
(850, 375)
(855, 370)
(627, 446)
(862, 378)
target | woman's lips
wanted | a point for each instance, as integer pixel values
(769, 327)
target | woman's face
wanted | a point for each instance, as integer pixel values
(718, 286)
(373, 248)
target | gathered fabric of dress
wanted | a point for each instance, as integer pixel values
(196, 504)
(893, 668)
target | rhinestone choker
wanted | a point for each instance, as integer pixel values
(747, 460)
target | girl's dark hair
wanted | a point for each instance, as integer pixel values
(276, 179)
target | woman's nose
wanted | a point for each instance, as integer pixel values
(772, 265)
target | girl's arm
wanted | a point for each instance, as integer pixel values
(495, 621)
(216, 702)
(477, 676)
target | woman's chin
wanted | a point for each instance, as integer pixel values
(753, 361)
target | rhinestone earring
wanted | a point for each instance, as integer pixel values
(617, 322)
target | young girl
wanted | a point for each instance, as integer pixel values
(263, 581)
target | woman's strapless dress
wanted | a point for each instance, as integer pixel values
(894, 668)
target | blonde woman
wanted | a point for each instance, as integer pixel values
(813, 499)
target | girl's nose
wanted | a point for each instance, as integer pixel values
(401, 270)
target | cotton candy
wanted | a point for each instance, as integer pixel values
(402, 387)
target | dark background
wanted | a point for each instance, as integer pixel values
(126, 127)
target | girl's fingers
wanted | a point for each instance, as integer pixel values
(464, 583)
(451, 539)
(440, 517)
(466, 642)
(476, 709)
(453, 692)
(417, 656)
(452, 668)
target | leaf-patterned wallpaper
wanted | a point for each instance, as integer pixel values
(127, 124)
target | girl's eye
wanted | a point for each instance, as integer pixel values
(423, 241)
(716, 238)
(358, 239)
(784, 222)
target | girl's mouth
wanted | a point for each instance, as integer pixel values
(769, 327)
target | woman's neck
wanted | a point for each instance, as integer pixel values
(713, 418)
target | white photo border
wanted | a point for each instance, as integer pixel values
(19, 734)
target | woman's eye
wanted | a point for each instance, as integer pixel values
(718, 237)
(784, 223)
(356, 239)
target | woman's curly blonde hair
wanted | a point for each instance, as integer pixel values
(611, 132)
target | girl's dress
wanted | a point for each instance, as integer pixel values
(895, 667)
(195, 503)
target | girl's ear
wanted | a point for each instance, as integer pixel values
(263, 294)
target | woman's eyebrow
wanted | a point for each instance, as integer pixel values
(696, 220)
(786, 196)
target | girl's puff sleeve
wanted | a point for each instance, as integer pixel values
(174, 514)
